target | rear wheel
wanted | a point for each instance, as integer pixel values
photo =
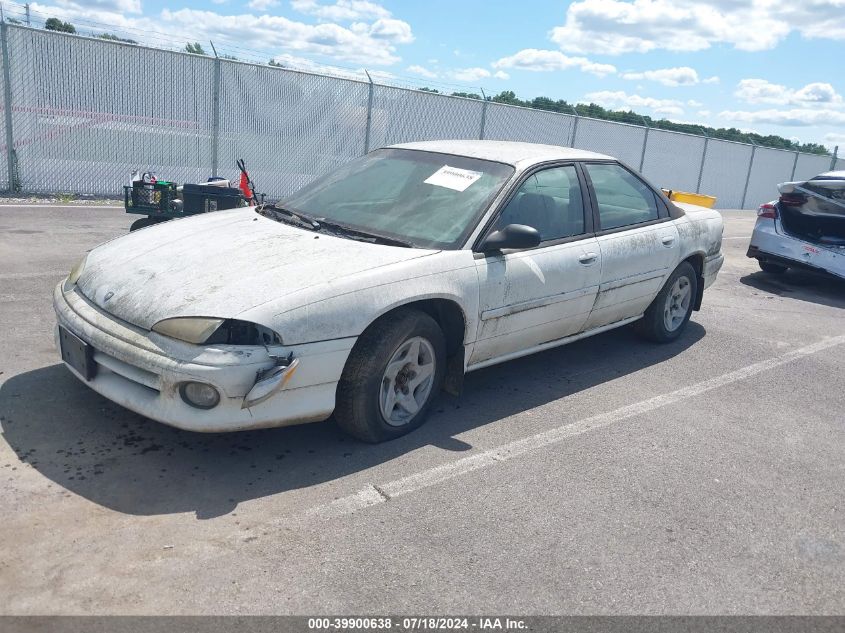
(769, 267)
(392, 377)
(669, 313)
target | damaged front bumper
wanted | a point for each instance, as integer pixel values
(144, 371)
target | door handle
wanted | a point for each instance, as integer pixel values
(587, 258)
(668, 240)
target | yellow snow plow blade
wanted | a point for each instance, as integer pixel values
(691, 198)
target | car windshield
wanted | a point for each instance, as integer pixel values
(426, 199)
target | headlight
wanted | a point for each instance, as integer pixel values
(76, 272)
(211, 331)
(189, 329)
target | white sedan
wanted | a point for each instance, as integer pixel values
(374, 287)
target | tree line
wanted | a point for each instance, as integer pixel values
(595, 111)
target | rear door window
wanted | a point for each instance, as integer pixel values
(623, 199)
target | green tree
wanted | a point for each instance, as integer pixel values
(275, 64)
(429, 90)
(466, 95)
(195, 48)
(55, 24)
(509, 97)
(114, 38)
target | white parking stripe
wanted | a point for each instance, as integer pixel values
(376, 494)
(24, 205)
(45, 273)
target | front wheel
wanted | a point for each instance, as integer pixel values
(392, 377)
(669, 313)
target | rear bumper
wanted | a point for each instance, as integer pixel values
(712, 266)
(142, 371)
(771, 245)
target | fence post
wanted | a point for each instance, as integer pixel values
(703, 158)
(833, 158)
(645, 144)
(483, 115)
(369, 115)
(574, 126)
(748, 176)
(14, 183)
(795, 164)
(215, 104)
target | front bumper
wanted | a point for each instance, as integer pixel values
(142, 371)
(768, 243)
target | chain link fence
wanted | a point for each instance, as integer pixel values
(80, 114)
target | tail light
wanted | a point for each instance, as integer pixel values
(767, 211)
(792, 199)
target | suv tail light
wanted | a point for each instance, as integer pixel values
(767, 211)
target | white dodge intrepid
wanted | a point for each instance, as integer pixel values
(372, 288)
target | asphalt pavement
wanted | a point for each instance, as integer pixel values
(610, 476)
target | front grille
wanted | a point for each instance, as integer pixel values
(130, 372)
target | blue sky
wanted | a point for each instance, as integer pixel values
(772, 66)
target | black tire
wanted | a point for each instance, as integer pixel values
(769, 267)
(143, 223)
(653, 326)
(357, 410)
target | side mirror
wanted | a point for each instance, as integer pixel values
(511, 236)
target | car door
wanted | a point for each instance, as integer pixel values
(533, 296)
(637, 240)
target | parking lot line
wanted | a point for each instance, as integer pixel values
(45, 273)
(375, 494)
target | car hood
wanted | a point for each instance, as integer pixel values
(219, 265)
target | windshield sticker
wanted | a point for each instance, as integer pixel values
(453, 178)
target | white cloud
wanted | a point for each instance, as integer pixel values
(262, 5)
(342, 10)
(309, 65)
(422, 71)
(127, 6)
(680, 76)
(360, 43)
(544, 60)
(391, 30)
(500, 74)
(763, 91)
(470, 74)
(704, 113)
(625, 26)
(791, 117)
(694, 104)
(620, 99)
(833, 139)
(711, 80)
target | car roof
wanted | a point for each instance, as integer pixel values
(513, 153)
(832, 174)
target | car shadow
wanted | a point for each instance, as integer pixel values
(120, 460)
(803, 285)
